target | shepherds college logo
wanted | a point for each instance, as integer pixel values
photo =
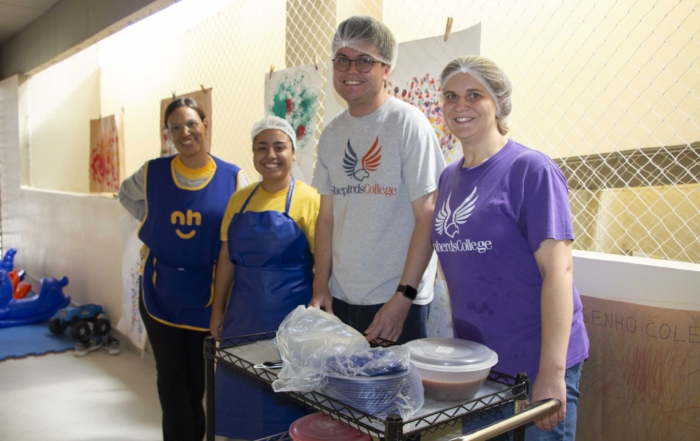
(448, 221)
(370, 162)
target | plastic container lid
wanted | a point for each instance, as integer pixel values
(319, 427)
(450, 355)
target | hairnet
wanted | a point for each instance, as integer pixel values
(495, 81)
(277, 123)
(369, 35)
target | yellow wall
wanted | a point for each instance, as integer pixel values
(594, 76)
(589, 77)
(651, 222)
(229, 52)
(62, 100)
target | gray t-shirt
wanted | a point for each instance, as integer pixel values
(375, 166)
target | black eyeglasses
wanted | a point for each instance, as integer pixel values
(363, 65)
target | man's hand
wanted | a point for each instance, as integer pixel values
(388, 322)
(550, 386)
(322, 298)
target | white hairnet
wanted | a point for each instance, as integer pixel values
(495, 81)
(369, 35)
(277, 123)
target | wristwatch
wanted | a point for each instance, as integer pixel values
(408, 291)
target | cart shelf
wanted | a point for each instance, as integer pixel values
(240, 354)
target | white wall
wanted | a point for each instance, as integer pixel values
(58, 234)
(651, 282)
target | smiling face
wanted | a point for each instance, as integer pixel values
(188, 132)
(364, 92)
(273, 157)
(469, 110)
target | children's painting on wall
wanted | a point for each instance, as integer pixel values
(294, 94)
(203, 98)
(416, 80)
(106, 154)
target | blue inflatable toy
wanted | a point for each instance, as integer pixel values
(17, 312)
(8, 260)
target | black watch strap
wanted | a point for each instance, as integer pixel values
(408, 291)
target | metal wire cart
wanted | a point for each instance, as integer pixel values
(242, 354)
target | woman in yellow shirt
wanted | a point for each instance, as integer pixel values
(264, 271)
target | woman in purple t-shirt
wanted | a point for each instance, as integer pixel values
(503, 232)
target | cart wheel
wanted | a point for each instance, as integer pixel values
(80, 331)
(56, 326)
(101, 327)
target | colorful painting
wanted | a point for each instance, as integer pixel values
(416, 80)
(106, 155)
(203, 98)
(426, 94)
(294, 94)
(642, 378)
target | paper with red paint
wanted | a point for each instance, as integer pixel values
(106, 154)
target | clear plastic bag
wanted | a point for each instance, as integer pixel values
(306, 338)
(320, 353)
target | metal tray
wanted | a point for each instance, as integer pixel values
(242, 353)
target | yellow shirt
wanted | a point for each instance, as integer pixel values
(303, 209)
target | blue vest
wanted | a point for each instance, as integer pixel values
(182, 230)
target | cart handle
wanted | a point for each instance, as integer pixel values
(530, 413)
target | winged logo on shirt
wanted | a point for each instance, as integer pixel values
(370, 162)
(448, 221)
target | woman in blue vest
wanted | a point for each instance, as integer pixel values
(264, 271)
(181, 200)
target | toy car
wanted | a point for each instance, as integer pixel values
(79, 319)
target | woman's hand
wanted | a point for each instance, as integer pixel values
(223, 281)
(557, 307)
(216, 323)
(322, 298)
(550, 386)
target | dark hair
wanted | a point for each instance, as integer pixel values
(183, 102)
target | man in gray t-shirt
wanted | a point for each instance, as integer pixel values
(377, 173)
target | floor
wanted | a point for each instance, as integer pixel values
(98, 397)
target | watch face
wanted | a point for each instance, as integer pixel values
(408, 291)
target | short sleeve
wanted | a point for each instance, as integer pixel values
(234, 205)
(322, 180)
(546, 212)
(421, 159)
(311, 208)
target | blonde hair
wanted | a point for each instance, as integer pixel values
(492, 77)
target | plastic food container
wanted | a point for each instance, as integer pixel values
(451, 369)
(318, 427)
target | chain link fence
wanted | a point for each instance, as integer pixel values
(609, 89)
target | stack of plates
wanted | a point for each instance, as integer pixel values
(399, 392)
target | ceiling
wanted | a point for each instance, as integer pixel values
(15, 15)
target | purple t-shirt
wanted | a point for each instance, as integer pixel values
(489, 221)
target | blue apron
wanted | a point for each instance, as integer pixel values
(182, 232)
(273, 275)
